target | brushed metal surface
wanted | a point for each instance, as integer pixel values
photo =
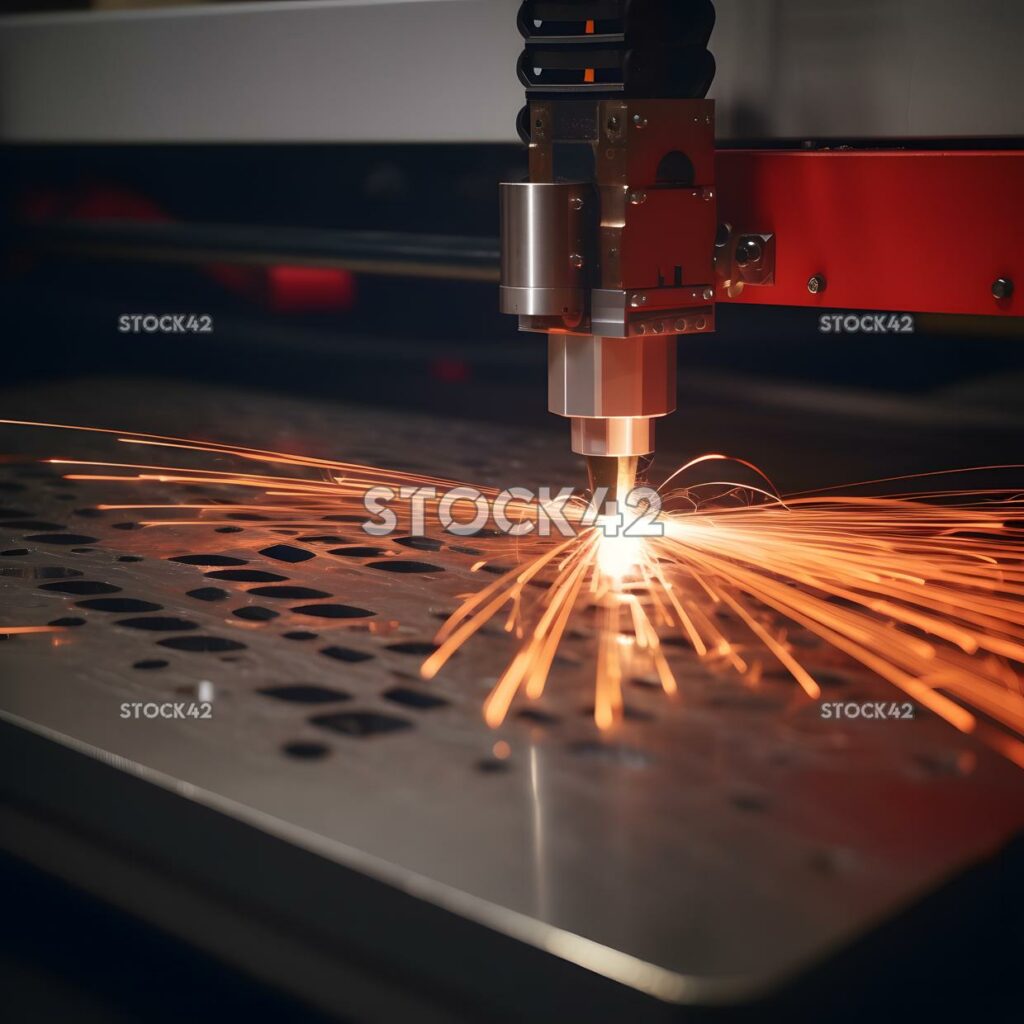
(544, 247)
(706, 848)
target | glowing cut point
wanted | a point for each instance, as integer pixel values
(618, 556)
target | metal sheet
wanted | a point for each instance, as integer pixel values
(708, 848)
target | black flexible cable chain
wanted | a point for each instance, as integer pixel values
(643, 49)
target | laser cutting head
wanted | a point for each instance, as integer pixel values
(615, 265)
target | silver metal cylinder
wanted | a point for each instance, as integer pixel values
(544, 248)
(590, 376)
(617, 435)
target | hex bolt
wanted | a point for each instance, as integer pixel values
(1002, 288)
(639, 121)
(816, 285)
(576, 203)
(748, 250)
(576, 260)
(637, 198)
(709, 294)
(638, 299)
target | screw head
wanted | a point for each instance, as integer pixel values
(1002, 288)
(639, 121)
(637, 198)
(749, 250)
(709, 294)
(576, 260)
(576, 203)
(816, 284)
(637, 300)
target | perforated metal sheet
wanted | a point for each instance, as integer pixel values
(706, 847)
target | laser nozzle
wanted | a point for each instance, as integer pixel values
(616, 473)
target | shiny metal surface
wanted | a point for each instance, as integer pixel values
(594, 377)
(612, 436)
(705, 850)
(619, 313)
(544, 248)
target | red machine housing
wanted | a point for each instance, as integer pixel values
(909, 230)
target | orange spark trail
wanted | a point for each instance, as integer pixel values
(928, 596)
(16, 630)
(925, 590)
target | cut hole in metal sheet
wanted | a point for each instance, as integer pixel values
(419, 648)
(289, 593)
(60, 538)
(414, 698)
(118, 604)
(246, 576)
(305, 693)
(333, 611)
(201, 644)
(400, 565)
(357, 552)
(303, 750)
(361, 724)
(255, 613)
(81, 587)
(208, 560)
(344, 653)
(287, 553)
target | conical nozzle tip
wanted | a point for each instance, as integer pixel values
(615, 473)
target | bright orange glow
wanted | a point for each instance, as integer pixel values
(618, 556)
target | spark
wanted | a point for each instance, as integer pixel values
(20, 630)
(924, 589)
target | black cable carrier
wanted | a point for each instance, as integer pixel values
(643, 49)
